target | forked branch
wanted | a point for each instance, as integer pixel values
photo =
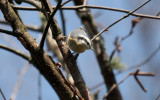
(135, 74)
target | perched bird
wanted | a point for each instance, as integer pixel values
(78, 41)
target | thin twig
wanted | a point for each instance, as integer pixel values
(2, 94)
(65, 2)
(135, 66)
(30, 27)
(138, 81)
(3, 22)
(89, 6)
(48, 24)
(105, 29)
(24, 56)
(63, 22)
(158, 97)
(118, 44)
(112, 54)
(145, 74)
(134, 23)
(115, 85)
(35, 3)
(10, 41)
(19, 81)
(96, 86)
(62, 17)
(128, 75)
(9, 32)
(146, 60)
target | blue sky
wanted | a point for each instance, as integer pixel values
(135, 49)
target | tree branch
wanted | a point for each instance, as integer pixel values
(105, 29)
(43, 62)
(34, 3)
(99, 48)
(157, 98)
(48, 24)
(118, 44)
(92, 7)
(2, 94)
(65, 2)
(19, 81)
(24, 56)
(135, 66)
(63, 22)
(146, 60)
(67, 55)
(135, 74)
(30, 27)
(10, 32)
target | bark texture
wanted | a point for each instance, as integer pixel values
(100, 51)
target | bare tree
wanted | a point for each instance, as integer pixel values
(69, 83)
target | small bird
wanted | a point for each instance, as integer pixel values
(78, 41)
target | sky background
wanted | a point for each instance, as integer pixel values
(135, 49)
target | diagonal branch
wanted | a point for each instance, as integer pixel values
(146, 60)
(140, 83)
(115, 85)
(19, 81)
(67, 55)
(2, 94)
(105, 29)
(157, 98)
(42, 60)
(48, 24)
(24, 56)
